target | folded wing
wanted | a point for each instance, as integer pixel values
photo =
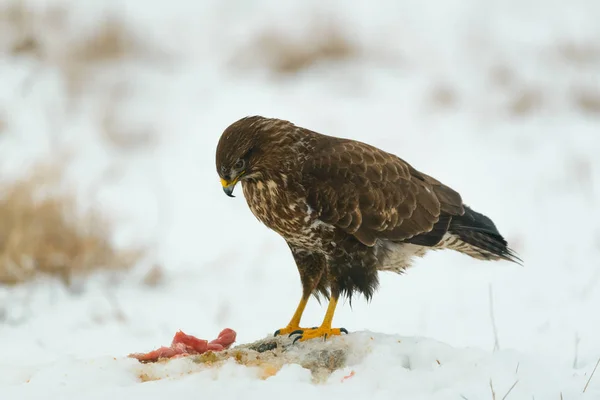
(372, 194)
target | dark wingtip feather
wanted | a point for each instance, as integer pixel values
(479, 231)
(512, 256)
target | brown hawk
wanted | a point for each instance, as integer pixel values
(347, 210)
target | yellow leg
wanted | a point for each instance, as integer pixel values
(329, 313)
(294, 324)
(325, 330)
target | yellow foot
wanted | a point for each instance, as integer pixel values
(307, 334)
(288, 330)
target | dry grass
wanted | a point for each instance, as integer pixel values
(507, 393)
(111, 41)
(493, 318)
(286, 55)
(3, 123)
(502, 76)
(27, 32)
(45, 36)
(510, 390)
(565, 79)
(17, 24)
(42, 234)
(591, 376)
(443, 96)
(587, 100)
(155, 276)
(585, 53)
(526, 101)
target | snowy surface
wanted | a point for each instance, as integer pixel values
(375, 366)
(486, 96)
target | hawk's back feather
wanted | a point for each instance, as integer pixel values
(372, 194)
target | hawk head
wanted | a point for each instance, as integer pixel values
(248, 148)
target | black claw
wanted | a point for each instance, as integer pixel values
(324, 337)
(296, 339)
(296, 332)
(277, 332)
(344, 330)
(314, 327)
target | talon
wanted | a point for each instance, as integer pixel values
(297, 331)
(296, 339)
(288, 330)
(344, 330)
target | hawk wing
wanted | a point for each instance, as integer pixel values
(372, 194)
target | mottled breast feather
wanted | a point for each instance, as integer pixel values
(373, 194)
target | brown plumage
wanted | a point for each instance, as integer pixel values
(346, 209)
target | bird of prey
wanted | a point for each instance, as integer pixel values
(346, 209)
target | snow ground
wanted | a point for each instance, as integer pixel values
(378, 366)
(510, 130)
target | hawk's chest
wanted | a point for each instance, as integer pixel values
(282, 209)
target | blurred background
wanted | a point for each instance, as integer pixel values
(114, 229)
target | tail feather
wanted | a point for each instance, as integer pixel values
(481, 234)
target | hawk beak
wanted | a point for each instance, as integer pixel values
(229, 186)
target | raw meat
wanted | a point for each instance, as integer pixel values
(184, 345)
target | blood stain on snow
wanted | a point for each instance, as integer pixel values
(350, 375)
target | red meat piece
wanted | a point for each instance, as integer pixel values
(190, 343)
(183, 345)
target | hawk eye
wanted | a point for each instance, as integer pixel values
(239, 164)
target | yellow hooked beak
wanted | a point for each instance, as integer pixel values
(228, 186)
